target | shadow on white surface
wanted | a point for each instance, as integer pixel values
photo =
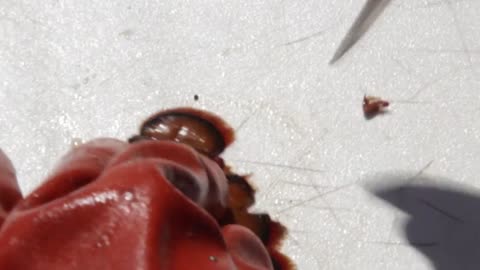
(444, 224)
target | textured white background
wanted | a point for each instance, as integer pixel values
(82, 69)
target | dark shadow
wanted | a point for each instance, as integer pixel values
(444, 220)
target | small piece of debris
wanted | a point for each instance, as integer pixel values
(195, 97)
(212, 258)
(373, 106)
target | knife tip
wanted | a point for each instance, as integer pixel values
(338, 54)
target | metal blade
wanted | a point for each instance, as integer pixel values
(370, 12)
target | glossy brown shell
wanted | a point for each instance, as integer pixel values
(204, 131)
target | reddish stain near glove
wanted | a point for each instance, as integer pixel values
(165, 201)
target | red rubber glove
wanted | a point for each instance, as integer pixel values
(113, 205)
(9, 190)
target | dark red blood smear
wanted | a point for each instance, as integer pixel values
(277, 233)
(271, 233)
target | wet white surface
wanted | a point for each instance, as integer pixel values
(82, 69)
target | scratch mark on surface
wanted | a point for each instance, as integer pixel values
(441, 211)
(304, 38)
(284, 166)
(440, 51)
(402, 66)
(315, 197)
(398, 101)
(302, 184)
(432, 82)
(299, 245)
(460, 34)
(301, 153)
(392, 225)
(284, 20)
(331, 210)
(286, 202)
(247, 119)
(420, 172)
(416, 244)
(328, 207)
(428, 4)
(433, 4)
(424, 244)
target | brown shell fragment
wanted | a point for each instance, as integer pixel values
(203, 131)
(373, 106)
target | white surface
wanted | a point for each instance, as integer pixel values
(84, 69)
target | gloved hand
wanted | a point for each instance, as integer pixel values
(114, 205)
